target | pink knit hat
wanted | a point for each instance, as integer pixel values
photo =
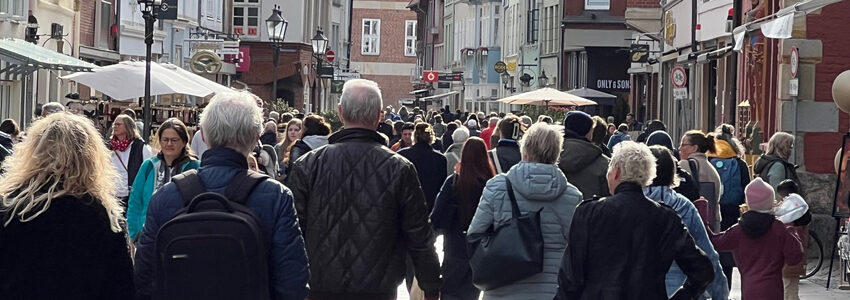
(759, 195)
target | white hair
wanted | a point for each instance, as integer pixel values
(361, 102)
(636, 163)
(52, 107)
(460, 135)
(541, 143)
(234, 120)
(271, 126)
(494, 121)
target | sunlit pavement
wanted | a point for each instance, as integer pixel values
(813, 288)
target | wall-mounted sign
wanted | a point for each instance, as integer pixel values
(669, 27)
(512, 65)
(639, 53)
(212, 45)
(610, 84)
(430, 76)
(168, 10)
(680, 93)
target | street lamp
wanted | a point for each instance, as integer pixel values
(276, 25)
(543, 80)
(150, 9)
(320, 46)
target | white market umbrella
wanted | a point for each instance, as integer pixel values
(126, 80)
(212, 85)
(547, 96)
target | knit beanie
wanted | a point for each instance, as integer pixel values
(578, 122)
(471, 123)
(759, 195)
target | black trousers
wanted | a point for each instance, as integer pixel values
(729, 214)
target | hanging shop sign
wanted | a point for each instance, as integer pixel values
(212, 45)
(500, 67)
(639, 53)
(512, 65)
(229, 48)
(205, 62)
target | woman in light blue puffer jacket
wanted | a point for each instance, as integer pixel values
(661, 190)
(537, 183)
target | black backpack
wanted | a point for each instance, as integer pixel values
(215, 248)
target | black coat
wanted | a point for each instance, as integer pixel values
(67, 252)
(430, 167)
(622, 246)
(269, 138)
(362, 213)
(508, 154)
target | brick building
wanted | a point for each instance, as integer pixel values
(383, 37)
(294, 72)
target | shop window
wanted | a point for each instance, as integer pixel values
(370, 43)
(597, 4)
(104, 26)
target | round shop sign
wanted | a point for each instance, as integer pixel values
(679, 77)
(500, 67)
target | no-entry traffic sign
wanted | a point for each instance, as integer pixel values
(795, 61)
(330, 55)
(430, 76)
(679, 77)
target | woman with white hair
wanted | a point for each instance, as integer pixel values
(774, 166)
(537, 183)
(459, 136)
(60, 223)
(620, 247)
(128, 153)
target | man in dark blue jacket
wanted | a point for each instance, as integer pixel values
(232, 124)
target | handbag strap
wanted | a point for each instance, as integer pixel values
(514, 207)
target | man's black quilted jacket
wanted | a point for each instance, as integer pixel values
(362, 211)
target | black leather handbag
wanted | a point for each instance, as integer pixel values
(508, 252)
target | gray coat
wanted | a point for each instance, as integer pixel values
(453, 157)
(535, 186)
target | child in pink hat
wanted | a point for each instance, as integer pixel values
(761, 245)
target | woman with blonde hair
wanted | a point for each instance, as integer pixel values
(175, 157)
(128, 153)
(60, 223)
(774, 166)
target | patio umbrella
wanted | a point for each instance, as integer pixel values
(602, 98)
(126, 81)
(547, 96)
(212, 85)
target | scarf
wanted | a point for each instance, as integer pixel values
(119, 145)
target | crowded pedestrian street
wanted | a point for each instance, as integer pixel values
(424, 150)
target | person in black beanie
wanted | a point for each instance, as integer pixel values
(583, 163)
(688, 187)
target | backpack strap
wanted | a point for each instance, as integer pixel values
(242, 184)
(496, 162)
(189, 185)
(694, 169)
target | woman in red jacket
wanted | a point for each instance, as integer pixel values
(754, 241)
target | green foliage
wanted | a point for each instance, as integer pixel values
(534, 111)
(280, 106)
(332, 117)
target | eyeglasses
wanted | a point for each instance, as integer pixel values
(170, 141)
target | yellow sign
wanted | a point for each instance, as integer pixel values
(512, 65)
(205, 62)
(669, 28)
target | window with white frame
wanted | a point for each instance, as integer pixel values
(597, 4)
(410, 38)
(210, 9)
(13, 9)
(370, 42)
(246, 18)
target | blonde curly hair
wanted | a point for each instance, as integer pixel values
(63, 155)
(636, 163)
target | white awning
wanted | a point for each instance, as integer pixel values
(780, 24)
(438, 96)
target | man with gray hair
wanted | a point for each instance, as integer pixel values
(50, 108)
(232, 124)
(362, 209)
(656, 237)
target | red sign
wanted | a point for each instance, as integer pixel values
(431, 76)
(243, 59)
(330, 55)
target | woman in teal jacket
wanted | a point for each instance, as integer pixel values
(175, 157)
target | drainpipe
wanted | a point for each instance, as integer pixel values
(736, 21)
(350, 29)
(694, 26)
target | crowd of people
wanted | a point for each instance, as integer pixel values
(281, 206)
